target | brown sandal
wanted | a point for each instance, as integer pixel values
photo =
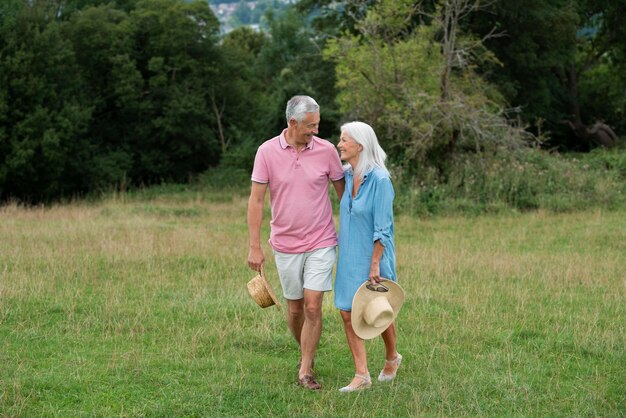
(309, 382)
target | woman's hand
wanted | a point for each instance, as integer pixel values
(375, 263)
(375, 273)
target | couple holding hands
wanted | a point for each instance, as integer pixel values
(296, 166)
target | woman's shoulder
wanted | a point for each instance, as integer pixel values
(379, 174)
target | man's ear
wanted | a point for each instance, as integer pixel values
(292, 122)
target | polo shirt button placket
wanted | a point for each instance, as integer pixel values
(298, 159)
(297, 155)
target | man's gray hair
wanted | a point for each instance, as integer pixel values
(298, 106)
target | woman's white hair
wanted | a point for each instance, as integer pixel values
(372, 154)
(298, 106)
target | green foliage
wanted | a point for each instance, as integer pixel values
(44, 111)
(110, 95)
(379, 83)
(392, 76)
(291, 64)
(569, 66)
(527, 179)
(247, 94)
(602, 159)
(265, 71)
(96, 94)
(176, 56)
(602, 93)
(445, 127)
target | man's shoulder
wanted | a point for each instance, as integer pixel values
(324, 144)
(272, 142)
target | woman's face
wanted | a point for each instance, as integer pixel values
(348, 148)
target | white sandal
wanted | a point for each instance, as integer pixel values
(382, 377)
(366, 383)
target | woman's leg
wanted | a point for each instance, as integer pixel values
(389, 337)
(357, 348)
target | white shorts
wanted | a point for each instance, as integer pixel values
(312, 270)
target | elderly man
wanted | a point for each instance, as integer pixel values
(297, 166)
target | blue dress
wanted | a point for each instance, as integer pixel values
(363, 220)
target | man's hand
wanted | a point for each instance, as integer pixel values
(256, 259)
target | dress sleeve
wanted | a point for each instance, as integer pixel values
(383, 211)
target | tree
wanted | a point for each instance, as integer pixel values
(553, 72)
(416, 84)
(176, 55)
(599, 41)
(242, 14)
(291, 63)
(42, 131)
(245, 96)
(103, 44)
(105, 95)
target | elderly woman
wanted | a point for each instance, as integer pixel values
(366, 245)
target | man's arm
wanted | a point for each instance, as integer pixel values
(256, 203)
(340, 186)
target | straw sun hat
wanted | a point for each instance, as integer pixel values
(261, 291)
(375, 307)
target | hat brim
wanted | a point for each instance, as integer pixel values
(363, 295)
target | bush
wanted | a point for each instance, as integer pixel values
(606, 159)
(526, 179)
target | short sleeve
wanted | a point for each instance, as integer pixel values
(260, 172)
(336, 169)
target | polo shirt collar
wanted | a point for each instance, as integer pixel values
(284, 144)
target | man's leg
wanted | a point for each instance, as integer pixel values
(295, 318)
(311, 329)
(289, 267)
(317, 277)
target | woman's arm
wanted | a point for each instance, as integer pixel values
(377, 254)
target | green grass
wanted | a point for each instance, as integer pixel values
(137, 306)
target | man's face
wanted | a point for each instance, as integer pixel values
(305, 130)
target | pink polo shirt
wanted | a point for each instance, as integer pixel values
(302, 217)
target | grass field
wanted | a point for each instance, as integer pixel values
(138, 307)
